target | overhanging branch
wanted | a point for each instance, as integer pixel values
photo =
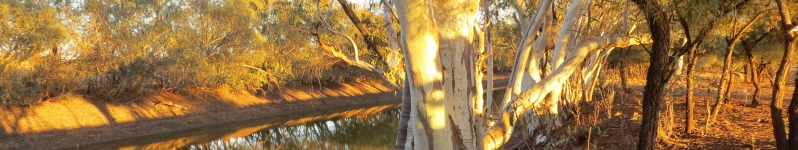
(500, 132)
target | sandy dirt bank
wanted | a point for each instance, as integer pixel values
(74, 121)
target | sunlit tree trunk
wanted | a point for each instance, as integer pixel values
(489, 102)
(725, 77)
(404, 138)
(388, 18)
(440, 62)
(689, 123)
(789, 33)
(516, 81)
(440, 54)
(500, 132)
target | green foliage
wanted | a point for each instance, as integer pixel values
(505, 45)
(27, 83)
(121, 50)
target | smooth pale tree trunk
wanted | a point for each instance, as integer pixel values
(563, 37)
(522, 17)
(500, 131)
(525, 69)
(534, 73)
(514, 86)
(789, 34)
(388, 15)
(489, 103)
(440, 59)
(440, 54)
(658, 72)
(404, 138)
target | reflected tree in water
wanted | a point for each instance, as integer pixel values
(374, 131)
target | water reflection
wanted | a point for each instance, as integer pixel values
(364, 131)
(370, 131)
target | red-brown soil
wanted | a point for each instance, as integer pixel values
(73, 121)
(740, 126)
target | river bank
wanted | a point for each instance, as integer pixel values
(71, 121)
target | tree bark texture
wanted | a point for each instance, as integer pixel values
(784, 142)
(441, 58)
(658, 72)
(691, 57)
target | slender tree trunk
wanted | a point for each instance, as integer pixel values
(489, 52)
(658, 72)
(725, 77)
(388, 18)
(522, 57)
(722, 90)
(784, 142)
(404, 138)
(754, 75)
(748, 46)
(688, 124)
(622, 71)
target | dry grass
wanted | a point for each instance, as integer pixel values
(739, 126)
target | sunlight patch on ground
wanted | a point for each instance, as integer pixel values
(73, 111)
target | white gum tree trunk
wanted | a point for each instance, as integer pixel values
(519, 74)
(500, 132)
(438, 39)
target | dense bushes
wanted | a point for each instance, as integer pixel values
(122, 50)
(123, 81)
(24, 83)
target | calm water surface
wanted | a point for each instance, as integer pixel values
(356, 128)
(368, 131)
(360, 132)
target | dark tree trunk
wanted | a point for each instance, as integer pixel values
(658, 72)
(622, 71)
(782, 140)
(753, 68)
(793, 114)
(754, 76)
(404, 118)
